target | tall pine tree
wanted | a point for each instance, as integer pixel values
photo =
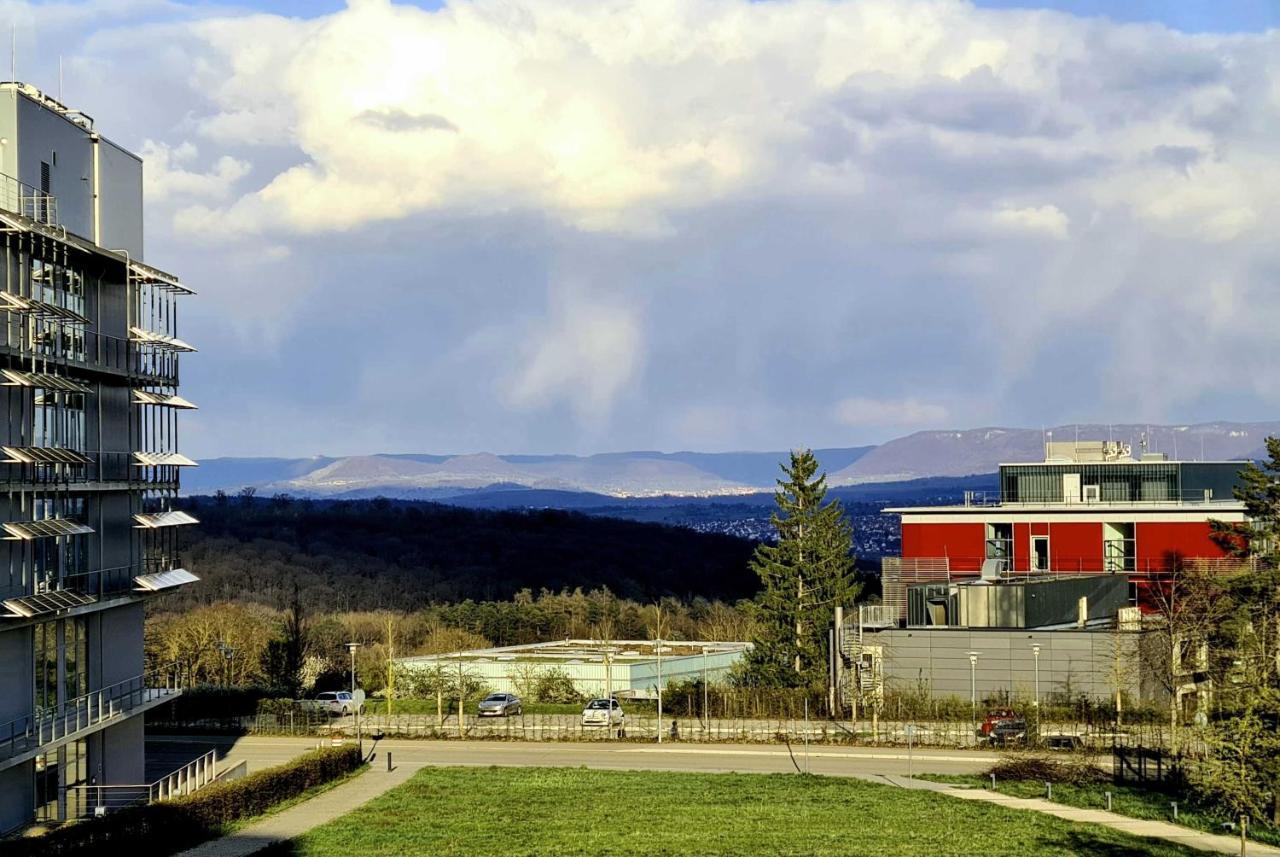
(804, 576)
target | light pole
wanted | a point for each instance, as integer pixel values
(228, 653)
(706, 717)
(659, 652)
(1035, 650)
(973, 689)
(351, 647)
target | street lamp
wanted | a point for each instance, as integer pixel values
(706, 718)
(1035, 650)
(351, 647)
(973, 688)
(227, 652)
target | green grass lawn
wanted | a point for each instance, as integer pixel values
(1126, 800)
(563, 811)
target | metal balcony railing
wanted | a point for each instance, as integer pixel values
(98, 352)
(21, 198)
(103, 467)
(83, 714)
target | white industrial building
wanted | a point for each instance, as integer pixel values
(629, 668)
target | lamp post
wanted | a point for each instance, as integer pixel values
(659, 653)
(706, 717)
(1035, 650)
(351, 647)
(973, 689)
(228, 653)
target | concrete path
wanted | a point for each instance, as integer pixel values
(1134, 826)
(297, 820)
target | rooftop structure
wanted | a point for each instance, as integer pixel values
(89, 374)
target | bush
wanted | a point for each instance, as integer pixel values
(555, 685)
(167, 827)
(1072, 768)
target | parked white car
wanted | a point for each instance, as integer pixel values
(338, 703)
(599, 712)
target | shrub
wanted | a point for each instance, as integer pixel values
(555, 685)
(1072, 768)
(164, 828)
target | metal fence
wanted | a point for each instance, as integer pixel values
(88, 801)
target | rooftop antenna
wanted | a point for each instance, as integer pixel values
(1175, 446)
(1202, 447)
(13, 60)
(60, 98)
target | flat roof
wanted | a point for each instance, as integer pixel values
(560, 651)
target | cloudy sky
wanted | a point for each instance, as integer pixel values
(553, 225)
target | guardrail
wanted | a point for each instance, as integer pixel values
(88, 801)
(21, 198)
(82, 713)
(1181, 498)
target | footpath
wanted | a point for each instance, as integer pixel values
(1123, 823)
(297, 820)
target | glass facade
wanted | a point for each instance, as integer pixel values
(1118, 482)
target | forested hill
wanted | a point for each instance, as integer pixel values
(374, 554)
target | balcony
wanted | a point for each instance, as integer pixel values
(987, 499)
(115, 470)
(32, 203)
(26, 737)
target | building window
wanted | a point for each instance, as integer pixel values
(999, 542)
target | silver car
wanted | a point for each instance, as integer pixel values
(500, 705)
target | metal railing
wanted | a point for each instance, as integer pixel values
(969, 567)
(100, 352)
(21, 198)
(102, 467)
(57, 724)
(1177, 498)
(88, 801)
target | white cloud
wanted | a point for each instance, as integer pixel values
(1034, 211)
(1046, 219)
(583, 354)
(861, 412)
(166, 174)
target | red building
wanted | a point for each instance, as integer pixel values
(1088, 508)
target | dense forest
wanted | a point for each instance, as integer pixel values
(345, 556)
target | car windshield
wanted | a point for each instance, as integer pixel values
(598, 705)
(496, 697)
(327, 696)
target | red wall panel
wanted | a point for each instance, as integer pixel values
(1075, 546)
(1159, 543)
(963, 544)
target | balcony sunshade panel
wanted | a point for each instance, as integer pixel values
(47, 528)
(42, 309)
(14, 378)
(43, 455)
(160, 520)
(162, 580)
(155, 277)
(162, 459)
(145, 397)
(30, 606)
(164, 341)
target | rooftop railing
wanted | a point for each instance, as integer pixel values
(82, 714)
(1183, 498)
(21, 198)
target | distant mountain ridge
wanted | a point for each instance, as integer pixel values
(640, 474)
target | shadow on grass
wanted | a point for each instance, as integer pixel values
(1095, 845)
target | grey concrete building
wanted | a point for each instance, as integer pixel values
(1009, 638)
(89, 375)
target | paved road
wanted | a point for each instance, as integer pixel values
(169, 752)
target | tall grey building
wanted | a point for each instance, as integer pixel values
(89, 374)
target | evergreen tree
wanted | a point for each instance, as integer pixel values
(804, 577)
(1259, 535)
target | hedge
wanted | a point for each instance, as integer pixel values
(167, 827)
